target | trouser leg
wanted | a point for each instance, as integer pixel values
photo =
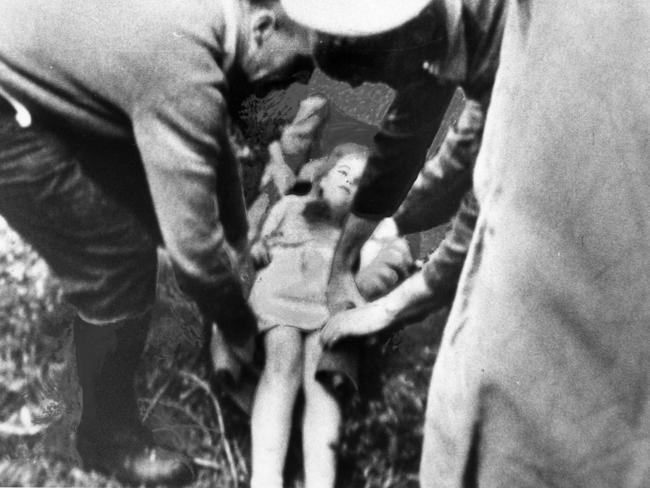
(107, 358)
(106, 263)
(111, 438)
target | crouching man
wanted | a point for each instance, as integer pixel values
(113, 130)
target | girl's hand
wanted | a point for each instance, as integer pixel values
(360, 321)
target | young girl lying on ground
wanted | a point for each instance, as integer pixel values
(288, 297)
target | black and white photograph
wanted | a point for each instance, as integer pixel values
(325, 243)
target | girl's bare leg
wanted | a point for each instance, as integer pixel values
(273, 405)
(321, 422)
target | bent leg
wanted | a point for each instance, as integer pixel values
(273, 405)
(105, 259)
(107, 263)
(321, 422)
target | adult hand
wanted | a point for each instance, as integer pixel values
(360, 321)
(243, 267)
(390, 266)
(236, 320)
(260, 255)
(246, 273)
(245, 353)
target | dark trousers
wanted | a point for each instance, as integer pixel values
(100, 247)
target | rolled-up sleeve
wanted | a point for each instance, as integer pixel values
(444, 179)
(442, 269)
(400, 148)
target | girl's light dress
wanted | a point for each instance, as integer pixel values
(290, 291)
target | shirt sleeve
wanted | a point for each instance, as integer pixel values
(400, 147)
(442, 269)
(188, 160)
(444, 179)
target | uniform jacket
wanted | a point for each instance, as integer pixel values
(146, 74)
(472, 35)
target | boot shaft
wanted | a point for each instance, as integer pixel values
(107, 359)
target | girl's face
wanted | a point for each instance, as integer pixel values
(341, 182)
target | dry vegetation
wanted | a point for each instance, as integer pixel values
(39, 398)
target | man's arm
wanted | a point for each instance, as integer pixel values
(412, 295)
(442, 269)
(400, 148)
(444, 179)
(194, 182)
(426, 291)
(441, 272)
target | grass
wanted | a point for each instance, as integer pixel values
(40, 399)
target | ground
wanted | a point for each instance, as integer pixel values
(40, 401)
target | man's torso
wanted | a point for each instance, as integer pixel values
(88, 63)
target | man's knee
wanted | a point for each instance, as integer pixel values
(125, 291)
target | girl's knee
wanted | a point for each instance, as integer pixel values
(285, 369)
(283, 356)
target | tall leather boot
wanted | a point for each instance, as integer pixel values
(111, 438)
